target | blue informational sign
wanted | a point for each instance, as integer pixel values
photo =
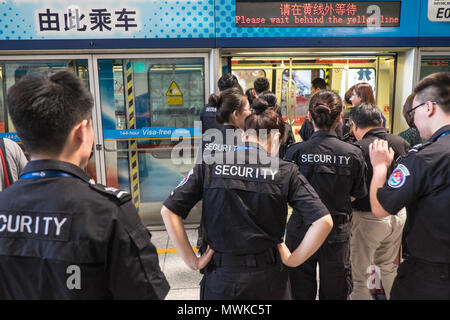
(100, 19)
(151, 133)
(219, 23)
(10, 135)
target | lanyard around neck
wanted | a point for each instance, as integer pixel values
(46, 174)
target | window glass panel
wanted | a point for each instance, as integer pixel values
(143, 101)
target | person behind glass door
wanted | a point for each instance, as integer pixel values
(337, 172)
(245, 210)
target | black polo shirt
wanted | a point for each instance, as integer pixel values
(334, 168)
(245, 199)
(208, 118)
(66, 237)
(421, 183)
(398, 144)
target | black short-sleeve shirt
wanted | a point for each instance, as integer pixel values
(334, 168)
(421, 183)
(56, 229)
(245, 201)
(398, 144)
(208, 118)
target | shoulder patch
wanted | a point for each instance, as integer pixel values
(121, 196)
(186, 178)
(398, 176)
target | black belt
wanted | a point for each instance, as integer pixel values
(269, 256)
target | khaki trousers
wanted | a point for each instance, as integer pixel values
(374, 241)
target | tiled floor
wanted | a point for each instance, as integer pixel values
(184, 282)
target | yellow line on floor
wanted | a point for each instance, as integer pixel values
(172, 250)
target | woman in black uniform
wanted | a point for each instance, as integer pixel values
(271, 99)
(232, 109)
(244, 213)
(337, 172)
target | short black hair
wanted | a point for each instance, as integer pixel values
(366, 115)
(228, 81)
(319, 83)
(261, 85)
(45, 106)
(435, 87)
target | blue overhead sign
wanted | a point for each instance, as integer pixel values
(221, 23)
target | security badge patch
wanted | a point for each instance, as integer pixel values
(186, 178)
(398, 176)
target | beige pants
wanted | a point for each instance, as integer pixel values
(376, 242)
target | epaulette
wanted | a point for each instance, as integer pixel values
(355, 144)
(120, 196)
(419, 146)
(289, 160)
(293, 144)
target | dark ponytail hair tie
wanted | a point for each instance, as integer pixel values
(321, 108)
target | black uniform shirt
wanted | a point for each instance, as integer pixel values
(244, 204)
(335, 169)
(421, 182)
(227, 139)
(398, 144)
(68, 238)
(208, 118)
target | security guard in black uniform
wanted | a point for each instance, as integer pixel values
(421, 182)
(61, 235)
(337, 172)
(208, 113)
(232, 109)
(245, 210)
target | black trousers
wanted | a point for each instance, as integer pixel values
(334, 262)
(249, 277)
(420, 280)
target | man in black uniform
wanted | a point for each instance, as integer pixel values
(208, 113)
(374, 241)
(421, 182)
(62, 236)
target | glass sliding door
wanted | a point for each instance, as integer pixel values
(142, 102)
